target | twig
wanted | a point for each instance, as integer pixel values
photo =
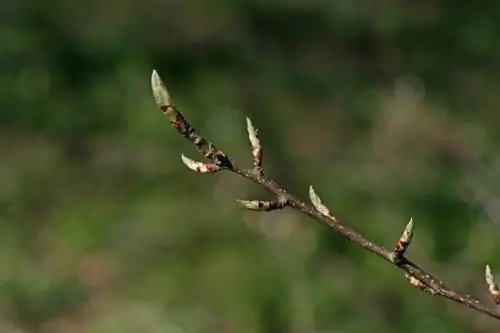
(416, 276)
(492, 286)
(256, 148)
(261, 205)
(403, 242)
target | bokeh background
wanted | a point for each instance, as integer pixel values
(389, 108)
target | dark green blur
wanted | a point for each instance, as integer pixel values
(390, 109)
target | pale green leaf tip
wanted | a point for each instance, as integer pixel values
(160, 92)
(409, 226)
(155, 80)
(312, 194)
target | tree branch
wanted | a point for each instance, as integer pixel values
(219, 161)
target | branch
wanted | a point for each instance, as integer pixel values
(219, 161)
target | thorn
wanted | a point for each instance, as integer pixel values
(419, 284)
(199, 166)
(160, 93)
(318, 204)
(492, 287)
(256, 148)
(404, 241)
(260, 205)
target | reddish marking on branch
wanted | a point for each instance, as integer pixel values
(257, 156)
(177, 122)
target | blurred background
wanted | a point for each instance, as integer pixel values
(389, 108)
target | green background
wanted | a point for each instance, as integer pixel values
(389, 108)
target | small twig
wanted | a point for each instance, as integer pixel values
(403, 242)
(492, 286)
(417, 276)
(256, 148)
(261, 205)
(164, 101)
(319, 205)
(200, 166)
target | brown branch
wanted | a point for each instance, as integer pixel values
(416, 276)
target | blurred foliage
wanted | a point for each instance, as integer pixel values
(389, 108)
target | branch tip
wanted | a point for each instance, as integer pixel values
(252, 134)
(404, 241)
(256, 147)
(492, 286)
(319, 205)
(160, 92)
(199, 166)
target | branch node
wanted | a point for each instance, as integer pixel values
(319, 205)
(256, 147)
(200, 166)
(492, 286)
(261, 205)
(403, 242)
